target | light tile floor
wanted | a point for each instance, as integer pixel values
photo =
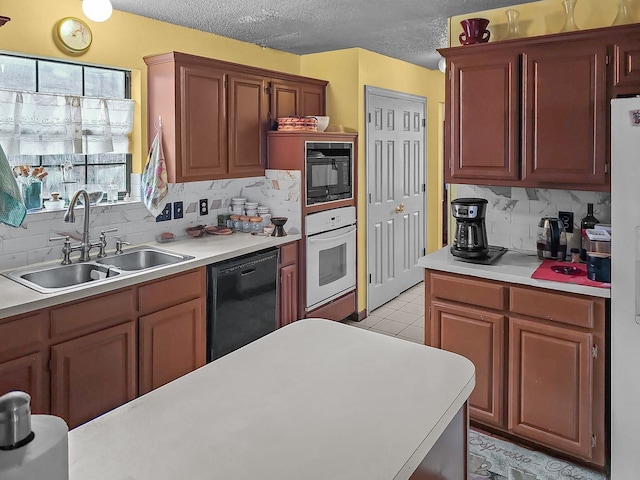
(402, 317)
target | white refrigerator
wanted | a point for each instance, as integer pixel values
(625, 288)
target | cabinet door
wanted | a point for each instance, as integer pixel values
(626, 67)
(478, 336)
(565, 112)
(248, 119)
(93, 374)
(482, 125)
(203, 133)
(26, 374)
(288, 295)
(312, 100)
(172, 343)
(550, 385)
(285, 101)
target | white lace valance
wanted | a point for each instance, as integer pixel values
(46, 124)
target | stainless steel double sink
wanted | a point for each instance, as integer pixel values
(55, 278)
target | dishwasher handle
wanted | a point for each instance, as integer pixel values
(248, 272)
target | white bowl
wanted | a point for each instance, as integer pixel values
(323, 123)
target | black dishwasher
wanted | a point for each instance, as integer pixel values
(241, 301)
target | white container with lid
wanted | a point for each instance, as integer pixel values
(238, 200)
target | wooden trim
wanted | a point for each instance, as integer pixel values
(337, 309)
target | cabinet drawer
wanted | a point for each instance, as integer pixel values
(22, 336)
(559, 307)
(288, 254)
(92, 315)
(466, 290)
(166, 293)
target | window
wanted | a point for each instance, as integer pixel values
(67, 172)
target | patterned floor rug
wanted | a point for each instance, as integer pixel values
(495, 459)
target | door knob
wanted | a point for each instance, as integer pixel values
(400, 208)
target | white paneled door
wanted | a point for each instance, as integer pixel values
(395, 171)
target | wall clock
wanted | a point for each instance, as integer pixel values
(73, 35)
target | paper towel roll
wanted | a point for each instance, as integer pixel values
(46, 457)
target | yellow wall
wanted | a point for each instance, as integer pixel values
(348, 72)
(547, 16)
(125, 39)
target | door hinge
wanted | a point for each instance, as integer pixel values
(369, 198)
(429, 313)
(424, 252)
(267, 89)
(424, 122)
(225, 83)
(593, 441)
(594, 351)
(606, 168)
(369, 117)
(370, 278)
(606, 59)
(424, 187)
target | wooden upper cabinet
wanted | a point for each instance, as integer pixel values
(565, 112)
(533, 112)
(296, 98)
(626, 67)
(203, 132)
(216, 114)
(482, 118)
(248, 112)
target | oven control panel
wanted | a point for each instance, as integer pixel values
(330, 220)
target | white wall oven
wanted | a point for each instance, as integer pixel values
(329, 171)
(331, 255)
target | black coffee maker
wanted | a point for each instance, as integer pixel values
(470, 240)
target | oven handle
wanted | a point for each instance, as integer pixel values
(329, 237)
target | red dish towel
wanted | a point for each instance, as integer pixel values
(544, 272)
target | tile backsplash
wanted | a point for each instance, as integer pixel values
(513, 213)
(278, 189)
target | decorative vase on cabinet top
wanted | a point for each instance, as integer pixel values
(474, 31)
(513, 28)
(569, 22)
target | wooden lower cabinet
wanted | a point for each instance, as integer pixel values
(93, 374)
(288, 282)
(81, 359)
(26, 374)
(172, 343)
(539, 358)
(478, 336)
(550, 385)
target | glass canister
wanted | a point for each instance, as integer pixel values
(256, 224)
(246, 223)
(236, 224)
(266, 219)
(252, 208)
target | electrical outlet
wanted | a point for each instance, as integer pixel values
(204, 206)
(165, 214)
(567, 220)
(178, 211)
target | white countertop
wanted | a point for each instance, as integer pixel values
(313, 400)
(513, 267)
(16, 298)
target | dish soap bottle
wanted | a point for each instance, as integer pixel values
(587, 222)
(112, 193)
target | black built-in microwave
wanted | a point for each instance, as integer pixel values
(329, 171)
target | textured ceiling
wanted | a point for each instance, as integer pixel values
(409, 30)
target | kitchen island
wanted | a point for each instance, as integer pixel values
(313, 400)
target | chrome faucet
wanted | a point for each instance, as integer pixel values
(70, 216)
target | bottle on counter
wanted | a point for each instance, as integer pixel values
(589, 221)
